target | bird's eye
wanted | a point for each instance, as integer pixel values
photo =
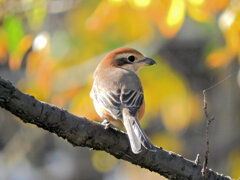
(131, 58)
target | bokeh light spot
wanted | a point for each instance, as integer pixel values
(40, 41)
(227, 19)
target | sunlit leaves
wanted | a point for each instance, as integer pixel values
(166, 95)
(232, 34)
(229, 24)
(176, 13)
(219, 57)
(118, 21)
(170, 16)
(205, 10)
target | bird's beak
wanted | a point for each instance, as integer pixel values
(148, 61)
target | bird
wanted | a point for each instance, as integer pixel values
(117, 93)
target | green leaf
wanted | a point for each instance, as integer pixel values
(13, 27)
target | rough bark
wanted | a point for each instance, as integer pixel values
(80, 131)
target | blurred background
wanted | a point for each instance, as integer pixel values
(50, 48)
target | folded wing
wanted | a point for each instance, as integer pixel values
(124, 104)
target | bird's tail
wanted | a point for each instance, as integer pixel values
(136, 135)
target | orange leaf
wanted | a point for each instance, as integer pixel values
(219, 57)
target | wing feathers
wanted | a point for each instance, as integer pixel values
(115, 101)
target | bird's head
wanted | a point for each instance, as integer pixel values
(128, 58)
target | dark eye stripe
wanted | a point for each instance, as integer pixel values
(122, 61)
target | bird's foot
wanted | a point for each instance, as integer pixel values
(106, 124)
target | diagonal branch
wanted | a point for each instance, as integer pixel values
(80, 131)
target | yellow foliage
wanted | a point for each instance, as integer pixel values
(39, 70)
(176, 13)
(136, 173)
(232, 36)
(167, 141)
(123, 21)
(82, 104)
(37, 14)
(168, 15)
(205, 10)
(229, 24)
(234, 163)
(176, 113)
(116, 2)
(166, 95)
(196, 2)
(142, 3)
(102, 161)
(30, 86)
(198, 14)
(3, 46)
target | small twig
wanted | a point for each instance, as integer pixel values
(209, 120)
(197, 160)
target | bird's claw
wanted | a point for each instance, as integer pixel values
(106, 124)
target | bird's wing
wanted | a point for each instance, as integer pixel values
(114, 101)
(124, 104)
(109, 100)
(132, 100)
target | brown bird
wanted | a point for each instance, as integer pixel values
(117, 93)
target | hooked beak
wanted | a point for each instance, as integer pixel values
(148, 61)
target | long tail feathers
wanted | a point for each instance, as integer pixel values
(136, 135)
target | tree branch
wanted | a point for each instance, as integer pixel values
(80, 131)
